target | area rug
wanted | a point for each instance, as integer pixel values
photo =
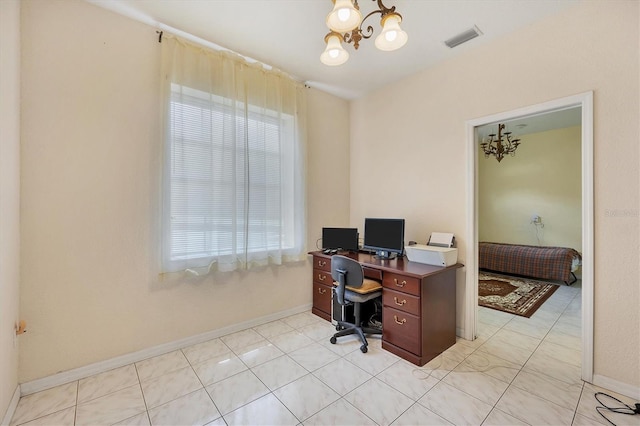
(519, 296)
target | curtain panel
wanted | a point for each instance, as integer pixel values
(234, 162)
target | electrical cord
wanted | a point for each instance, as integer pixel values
(539, 227)
(425, 372)
(482, 365)
(623, 409)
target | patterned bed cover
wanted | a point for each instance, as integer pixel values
(552, 263)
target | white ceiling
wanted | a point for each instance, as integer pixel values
(289, 34)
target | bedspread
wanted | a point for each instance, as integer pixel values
(552, 263)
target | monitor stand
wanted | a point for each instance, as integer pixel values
(385, 255)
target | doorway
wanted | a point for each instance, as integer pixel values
(583, 101)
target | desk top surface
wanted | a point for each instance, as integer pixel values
(398, 265)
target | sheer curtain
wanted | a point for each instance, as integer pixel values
(234, 162)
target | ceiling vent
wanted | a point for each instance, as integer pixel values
(463, 37)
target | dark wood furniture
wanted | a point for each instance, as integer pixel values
(418, 303)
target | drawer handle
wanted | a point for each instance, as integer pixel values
(321, 263)
(321, 291)
(395, 299)
(400, 284)
(399, 322)
(322, 277)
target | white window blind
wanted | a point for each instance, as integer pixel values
(233, 193)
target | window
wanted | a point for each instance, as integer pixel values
(231, 173)
(233, 165)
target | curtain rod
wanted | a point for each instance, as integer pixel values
(216, 47)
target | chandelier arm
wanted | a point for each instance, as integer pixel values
(381, 12)
(385, 10)
(369, 31)
(354, 37)
(358, 34)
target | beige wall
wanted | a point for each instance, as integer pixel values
(543, 178)
(90, 177)
(90, 186)
(9, 196)
(328, 165)
(414, 131)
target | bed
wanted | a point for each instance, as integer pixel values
(548, 263)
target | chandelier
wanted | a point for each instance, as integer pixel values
(345, 22)
(501, 146)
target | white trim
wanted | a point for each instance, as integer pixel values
(585, 101)
(471, 260)
(11, 409)
(588, 256)
(613, 385)
(120, 361)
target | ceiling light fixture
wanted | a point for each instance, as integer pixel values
(498, 147)
(345, 22)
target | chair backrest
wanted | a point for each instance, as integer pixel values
(346, 272)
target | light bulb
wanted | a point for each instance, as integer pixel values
(391, 35)
(334, 54)
(344, 17)
(344, 14)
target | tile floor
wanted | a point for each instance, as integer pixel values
(519, 371)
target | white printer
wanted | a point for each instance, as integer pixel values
(438, 251)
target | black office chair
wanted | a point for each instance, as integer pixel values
(353, 287)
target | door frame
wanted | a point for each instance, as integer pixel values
(585, 101)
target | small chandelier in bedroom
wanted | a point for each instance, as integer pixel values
(500, 146)
(345, 22)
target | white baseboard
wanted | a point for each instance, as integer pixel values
(120, 361)
(11, 409)
(616, 386)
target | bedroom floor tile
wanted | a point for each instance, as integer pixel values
(455, 405)
(519, 371)
(532, 409)
(559, 392)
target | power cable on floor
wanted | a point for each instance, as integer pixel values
(622, 409)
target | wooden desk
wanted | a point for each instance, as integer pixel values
(418, 303)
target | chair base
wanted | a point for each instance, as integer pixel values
(349, 328)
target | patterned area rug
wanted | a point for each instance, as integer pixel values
(519, 296)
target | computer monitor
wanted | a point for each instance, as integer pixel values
(345, 239)
(385, 236)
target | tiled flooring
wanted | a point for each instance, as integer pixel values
(519, 371)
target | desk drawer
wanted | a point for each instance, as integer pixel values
(322, 263)
(401, 301)
(401, 283)
(402, 329)
(322, 277)
(374, 274)
(322, 297)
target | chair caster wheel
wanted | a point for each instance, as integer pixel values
(338, 328)
(333, 340)
(364, 349)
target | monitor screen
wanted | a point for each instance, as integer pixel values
(340, 238)
(385, 236)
